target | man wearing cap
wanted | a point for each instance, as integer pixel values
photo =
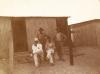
(37, 51)
(42, 38)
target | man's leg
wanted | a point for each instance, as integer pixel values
(36, 62)
(59, 52)
(44, 52)
(41, 57)
(51, 59)
(58, 49)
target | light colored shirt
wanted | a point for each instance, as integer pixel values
(60, 36)
(49, 45)
(37, 49)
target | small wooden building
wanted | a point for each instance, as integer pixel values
(17, 33)
(86, 33)
(24, 30)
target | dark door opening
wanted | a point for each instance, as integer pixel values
(19, 34)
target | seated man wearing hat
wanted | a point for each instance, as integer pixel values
(37, 51)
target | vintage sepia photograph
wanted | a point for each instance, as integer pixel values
(49, 36)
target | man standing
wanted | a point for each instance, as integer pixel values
(58, 43)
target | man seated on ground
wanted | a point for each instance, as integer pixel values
(41, 36)
(37, 52)
(50, 50)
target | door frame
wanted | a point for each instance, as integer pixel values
(22, 18)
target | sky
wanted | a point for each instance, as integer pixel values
(78, 10)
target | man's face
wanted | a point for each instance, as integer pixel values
(35, 42)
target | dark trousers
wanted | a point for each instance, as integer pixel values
(58, 49)
(44, 51)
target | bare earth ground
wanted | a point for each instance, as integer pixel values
(86, 61)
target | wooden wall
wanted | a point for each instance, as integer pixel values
(86, 35)
(98, 33)
(5, 28)
(33, 24)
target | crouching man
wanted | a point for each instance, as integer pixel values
(37, 52)
(50, 50)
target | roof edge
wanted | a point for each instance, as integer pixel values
(38, 16)
(85, 23)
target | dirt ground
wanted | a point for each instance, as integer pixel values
(86, 61)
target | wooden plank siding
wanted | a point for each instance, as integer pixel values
(5, 28)
(5, 39)
(98, 33)
(33, 24)
(86, 33)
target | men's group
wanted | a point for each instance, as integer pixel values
(44, 48)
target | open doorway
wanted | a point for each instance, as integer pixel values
(19, 34)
